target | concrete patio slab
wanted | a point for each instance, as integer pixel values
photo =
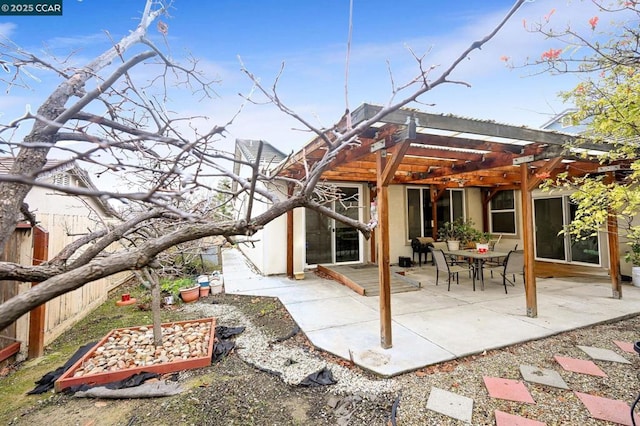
(465, 325)
(330, 312)
(361, 343)
(431, 325)
(293, 292)
(560, 312)
(417, 301)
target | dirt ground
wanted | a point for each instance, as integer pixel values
(229, 392)
(234, 392)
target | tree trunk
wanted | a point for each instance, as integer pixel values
(155, 307)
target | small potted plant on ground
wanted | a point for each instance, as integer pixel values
(186, 288)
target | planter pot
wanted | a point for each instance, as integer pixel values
(204, 291)
(482, 247)
(191, 294)
(453, 245)
(635, 276)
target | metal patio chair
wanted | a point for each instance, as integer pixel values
(513, 264)
(445, 267)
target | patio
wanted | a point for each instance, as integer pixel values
(431, 325)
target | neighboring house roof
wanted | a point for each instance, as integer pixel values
(249, 150)
(53, 168)
(564, 122)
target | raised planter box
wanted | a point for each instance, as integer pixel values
(9, 351)
(70, 378)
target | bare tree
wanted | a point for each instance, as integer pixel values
(138, 136)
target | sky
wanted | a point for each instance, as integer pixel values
(310, 39)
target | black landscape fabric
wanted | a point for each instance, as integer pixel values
(47, 381)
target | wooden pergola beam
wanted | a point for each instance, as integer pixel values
(391, 166)
(543, 173)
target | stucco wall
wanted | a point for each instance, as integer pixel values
(398, 243)
(269, 253)
(267, 249)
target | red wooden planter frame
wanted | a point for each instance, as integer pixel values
(9, 351)
(67, 380)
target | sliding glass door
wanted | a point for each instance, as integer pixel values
(552, 215)
(330, 241)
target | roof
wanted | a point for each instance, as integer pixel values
(55, 167)
(558, 118)
(443, 150)
(249, 150)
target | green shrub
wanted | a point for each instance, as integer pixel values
(173, 285)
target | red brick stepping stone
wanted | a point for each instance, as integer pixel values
(625, 346)
(512, 390)
(506, 419)
(579, 366)
(610, 410)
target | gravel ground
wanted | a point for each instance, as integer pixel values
(257, 383)
(464, 376)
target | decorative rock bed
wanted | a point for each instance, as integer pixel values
(128, 351)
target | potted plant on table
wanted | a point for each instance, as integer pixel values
(482, 241)
(458, 233)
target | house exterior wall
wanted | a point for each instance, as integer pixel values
(269, 251)
(298, 241)
(398, 242)
(267, 248)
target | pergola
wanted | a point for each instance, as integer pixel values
(443, 151)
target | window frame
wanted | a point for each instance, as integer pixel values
(427, 190)
(510, 210)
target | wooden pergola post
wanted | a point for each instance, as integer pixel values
(527, 239)
(385, 171)
(384, 272)
(614, 249)
(290, 272)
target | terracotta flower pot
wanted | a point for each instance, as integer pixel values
(190, 294)
(204, 291)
